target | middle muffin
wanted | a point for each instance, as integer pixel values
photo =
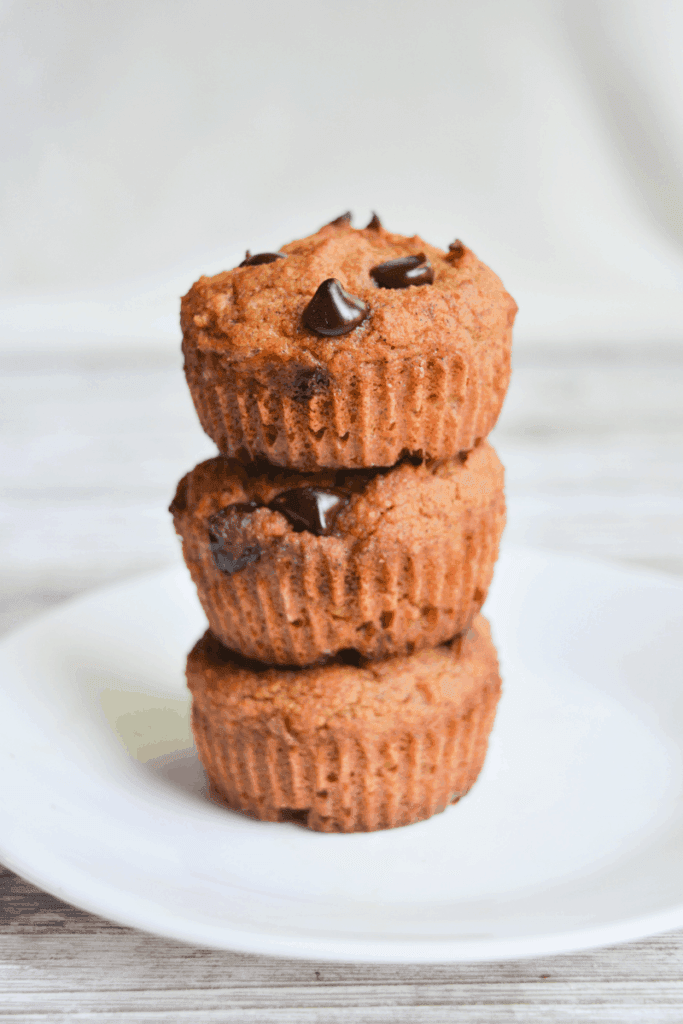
(294, 567)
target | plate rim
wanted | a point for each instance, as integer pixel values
(366, 951)
(156, 920)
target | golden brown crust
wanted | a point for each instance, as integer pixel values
(426, 371)
(408, 565)
(345, 748)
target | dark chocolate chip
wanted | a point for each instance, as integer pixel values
(375, 223)
(307, 382)
(230, 544)
(456, 250)
(350, 656)
(342, 221)
(294, 815)
(310, 508)
(333, 310)
(415, 458)
(403, 272)
(262, 257)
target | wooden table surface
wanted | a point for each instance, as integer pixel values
(93, 443)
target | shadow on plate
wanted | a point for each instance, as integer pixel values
(155, 730)
(147, 725)
(181, 769)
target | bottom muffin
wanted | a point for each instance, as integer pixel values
(351, 745)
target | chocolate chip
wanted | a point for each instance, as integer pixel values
(294, 815)
(375, 223)
(307, 382)
(403, 272)
(415, 458)
(262, 257)
(456, 250)
(310, 508)
(333, 310)
(231, 546)
(342, 221)
(350, 656)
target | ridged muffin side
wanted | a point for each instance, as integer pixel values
(341, 747)
(408, 564)
(426, 371)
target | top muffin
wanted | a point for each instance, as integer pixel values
(349, 348)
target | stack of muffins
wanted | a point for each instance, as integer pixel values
(344, 540)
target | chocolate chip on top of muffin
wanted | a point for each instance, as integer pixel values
(292, 567)
(348, 347)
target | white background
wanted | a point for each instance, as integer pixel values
(145, 141)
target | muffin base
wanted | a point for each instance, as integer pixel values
(344, 748)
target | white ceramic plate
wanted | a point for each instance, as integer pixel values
(572, 837)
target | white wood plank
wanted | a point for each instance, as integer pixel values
(91, 450)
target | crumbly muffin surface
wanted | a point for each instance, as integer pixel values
(382, 695)
(255, 312)
(407, 564)
(425, 371)
(345, 748)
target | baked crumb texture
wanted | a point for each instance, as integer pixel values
(349, 528)
(407, 567)
(345, 747)
(426, 370)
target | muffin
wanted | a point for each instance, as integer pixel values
(348, 349)
(345, 747)
(291, 568)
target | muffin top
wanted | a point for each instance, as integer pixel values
(450, 677)
(332, 292)
(379, 503)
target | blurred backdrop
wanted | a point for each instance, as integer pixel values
(147, 141)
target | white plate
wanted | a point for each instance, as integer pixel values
(572, 837)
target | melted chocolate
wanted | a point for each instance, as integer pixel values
(233, 545)
(403, 272)
(342, 221)
(307, 382)
(350, 656)
(333, 311)
(310, 508)
(262, 257)
(375, 223)
(231, 549)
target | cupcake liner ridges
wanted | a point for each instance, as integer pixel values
(424, 370)
(343, 748)
(344, 540)
(411, 583)
(359, 415)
